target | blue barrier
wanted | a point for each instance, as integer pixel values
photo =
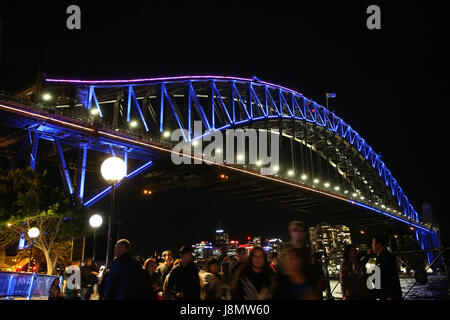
(26, 284)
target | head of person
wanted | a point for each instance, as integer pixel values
(297, 233)
(291, 261)
(88, 262)
(150, 265)
(274, 259)
(241, 254)
(378, 243)
(122, 246)
(258, 259)
(350, 253)
(167, 257)
(186, 255)
(55, 282)
(212, 265)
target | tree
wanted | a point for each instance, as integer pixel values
(26, 201)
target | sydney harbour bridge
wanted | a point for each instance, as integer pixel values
(327, 171)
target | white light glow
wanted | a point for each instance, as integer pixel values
(113, 169)
(34, 232)
(96, 221)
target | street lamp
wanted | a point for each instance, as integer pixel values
(95, 221)
(32, 233)
(113, 170)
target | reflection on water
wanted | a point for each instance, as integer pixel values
(436, 288)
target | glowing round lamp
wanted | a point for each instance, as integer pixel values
(113, 169)
(96, 221)
(33, 232)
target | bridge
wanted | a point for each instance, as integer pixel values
(327, 171)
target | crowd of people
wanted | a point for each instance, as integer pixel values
(294, 274)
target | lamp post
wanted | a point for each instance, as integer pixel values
(32, 233)
(95, 221)
(113, 170)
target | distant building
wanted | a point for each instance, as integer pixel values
(330, 240)
(203, 250)
(221, 238)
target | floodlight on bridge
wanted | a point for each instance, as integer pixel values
(304, 177)
(240, 157)
(337, 188)
(316, 181)
(195, 143)
(94, 111)
(346, 191)
(290, 173)
(133, 124)
(166, 134)
(259, 163)
(354, 194)
(327, 184)
(218, 151)
(275, 169)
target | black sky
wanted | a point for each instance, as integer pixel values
(391, 84)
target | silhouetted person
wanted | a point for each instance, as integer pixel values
(390, 281)
(152, 279)
(89, 278)
(183, 281)
(353, 275)
(125, 278)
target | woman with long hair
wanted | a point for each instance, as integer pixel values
(353, 275)
(256, 280)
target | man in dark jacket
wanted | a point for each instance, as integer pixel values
(89, 274)
(125, 277)
(183, 282)
(390, 282)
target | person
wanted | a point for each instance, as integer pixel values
(183, 282)
(353, 275)
(163, 269)
(212, 286)
(274, 263)
(294, 285)
(239, 262)
(152, 279)
(256, 280)
(125, 279)
(54, 293)
(102, 282)
(390, 281)
(89, 278)
(312, 268)
(72, 292)
(167, 294)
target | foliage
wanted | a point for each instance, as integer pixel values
(26, 201)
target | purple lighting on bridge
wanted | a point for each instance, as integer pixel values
(140, 80)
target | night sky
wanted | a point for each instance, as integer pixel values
(391, 84)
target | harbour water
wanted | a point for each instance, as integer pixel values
(436, 288)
